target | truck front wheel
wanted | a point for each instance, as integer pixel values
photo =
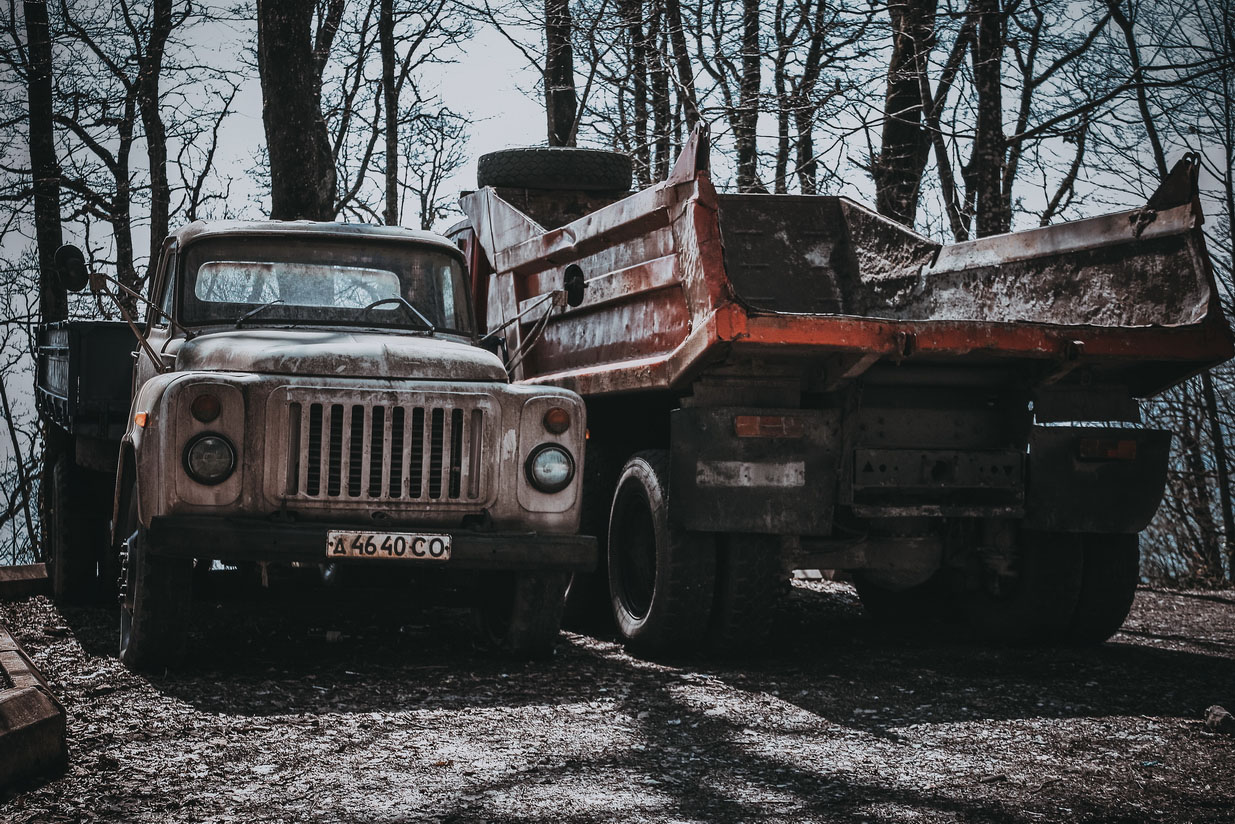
(522, 615)
(661, 577)
(154, 601)
(1112, 569)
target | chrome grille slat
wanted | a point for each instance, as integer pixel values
(353, 449)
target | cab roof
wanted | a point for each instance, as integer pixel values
(306, 228)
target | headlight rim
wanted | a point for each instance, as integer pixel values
(194, 475)
(530, 462)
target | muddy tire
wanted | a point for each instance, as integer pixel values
(661, 577)
(520, 615)
(77, 511)
(1037, 605)
(555, 168)
(1112, 569)
(155, 598)
(749, 582)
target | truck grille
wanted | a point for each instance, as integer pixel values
(351, 449)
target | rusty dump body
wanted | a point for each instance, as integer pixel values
(818, 372)
(683, 280)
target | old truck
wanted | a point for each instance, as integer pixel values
(314, 394)
(779, 381)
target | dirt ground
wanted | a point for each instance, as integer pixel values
(368, 710)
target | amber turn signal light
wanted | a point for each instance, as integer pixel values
(1106, 449)
(557, 420)
(206, 408)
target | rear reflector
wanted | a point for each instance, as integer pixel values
(768, 426)
(1106, 449)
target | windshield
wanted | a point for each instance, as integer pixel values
(323, 281)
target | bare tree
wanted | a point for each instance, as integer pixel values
(303, 183)
(561, 103)
(897, 168)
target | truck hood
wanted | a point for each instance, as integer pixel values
(333, 353)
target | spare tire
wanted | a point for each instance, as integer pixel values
(555, 167)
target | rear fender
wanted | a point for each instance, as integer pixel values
(1073, 487)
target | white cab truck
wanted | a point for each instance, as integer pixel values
(316, 394)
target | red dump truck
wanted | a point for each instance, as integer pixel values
(778, 381)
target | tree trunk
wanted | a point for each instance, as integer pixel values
(681, 57)
(780, 179)
(122, 203)
(302, 174)
(1194, 459)
(904, 144)
(659, 85)
(560, 100)
(989, 145)
(632, 11)
(152, 124)
(1224, 481)
(747, 116)
(53, 299)
(386, 34)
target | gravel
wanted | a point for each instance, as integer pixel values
(375, 708)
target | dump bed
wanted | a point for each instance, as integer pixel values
(682, 281)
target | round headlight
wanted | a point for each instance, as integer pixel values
(550, 468)
(209, 459)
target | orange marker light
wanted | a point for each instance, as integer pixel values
(140, 419)
(1109, 449)
(206, 407)
(557, 420)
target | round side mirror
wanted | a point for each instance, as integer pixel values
(71, 268)
(574, 284)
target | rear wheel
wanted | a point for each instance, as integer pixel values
(1032, 600)
(521, 615)
(661, 577)
(1112, 569)
(749, 582)
(78, 507)
(903, 609)
(155, 599)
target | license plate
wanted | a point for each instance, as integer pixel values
(413, 546)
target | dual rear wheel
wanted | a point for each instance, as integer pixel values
(1062, 588)
(676, 591)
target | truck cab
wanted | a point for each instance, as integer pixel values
(315, 393)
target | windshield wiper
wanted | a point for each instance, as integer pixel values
(403, 302)
(253, 312)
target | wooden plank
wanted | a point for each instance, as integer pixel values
(23, 580)
(32, 722)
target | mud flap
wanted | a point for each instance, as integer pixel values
(1095, 479)
(762, 471)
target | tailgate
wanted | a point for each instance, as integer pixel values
(828, 255)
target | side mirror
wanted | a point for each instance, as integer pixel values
(495, 345)
(70, 266)
(574, 284)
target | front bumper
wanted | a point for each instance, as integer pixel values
(236, 539)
